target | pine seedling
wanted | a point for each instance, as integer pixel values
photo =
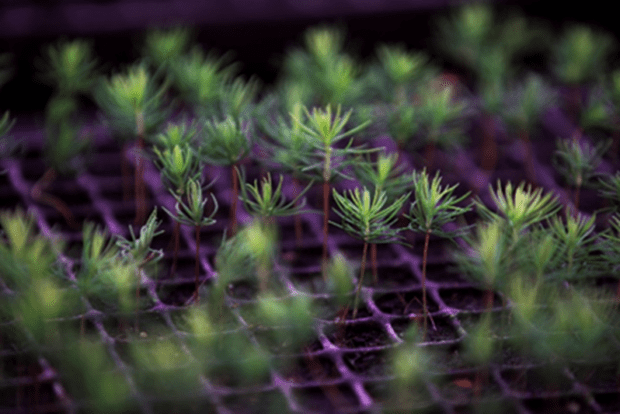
(193, 214)
(134, 105)
(323, 131)
(518, 208)
(178, 164)
(101, 275)
(575, 241)
(402, 67)
(385, 175)
(487, 258)
(524, 109)
(227, 143)
(412, 367)
(288, 148)
(609, 188)
(368, 218)
(201, 79)
(291, 319)
(266, 203)
(70, 68)
(478, 350)
(610, 244)
(162, 47)
(340, 278)
(577, 162)
(434, 206)
(23, 252)
(237, 98)
(138, 251)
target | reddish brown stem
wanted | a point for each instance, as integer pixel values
(175, 255)
(137, 324)
(297, 218)
(373, 258)
(488, 156)
(40, 196)
(427, 238)
(125, 173)
(359, 282)
(325, 228)
(529, 157)
(233, 202)
(429, 155)
(488, 299)
(140, 193)
(197, 258)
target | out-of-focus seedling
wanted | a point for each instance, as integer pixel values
(138, 251)
(577, 162)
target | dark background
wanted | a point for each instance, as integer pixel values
(258, 32)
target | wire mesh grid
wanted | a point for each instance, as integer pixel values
(346, 368)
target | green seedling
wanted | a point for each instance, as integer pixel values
(193, 214)
(325, 68)
(580, 56)
(577, 162)
(479, 347)
(434, 206)
(88, 370)
(518, 208)
(237, 98)
(575, 242)
(610, 244)
(227, 143)
(488, 258)
(70, 68)
(324, 131)
(340, 278)
(368, 218)
(402, 67)
(133, 103)
(439, 115)
(23, 252)
(384, 175)
(266, 203)
(412, 367)
(291, 319)
(138, 251)
(288, 147)
(524, 109)
(163, 47)
(7, 145)
(178, 163)
(200, 79)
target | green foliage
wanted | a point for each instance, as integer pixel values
(581, 54)
(192, 213)
(25, 255)
(401, 65)
(367, 217)
(330, 73)
(70, 67)
(165, 46)
(340, 280)
(434, 205)
(178, 166)
(385, 174)
(518, 208)
(575, 240)
(527, 101)
(201, 79)
(224, 142)
(577, 161)
(132, 102)
(138, 250)
(323, 131)
(265, 202)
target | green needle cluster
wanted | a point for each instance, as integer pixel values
(192, 213)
